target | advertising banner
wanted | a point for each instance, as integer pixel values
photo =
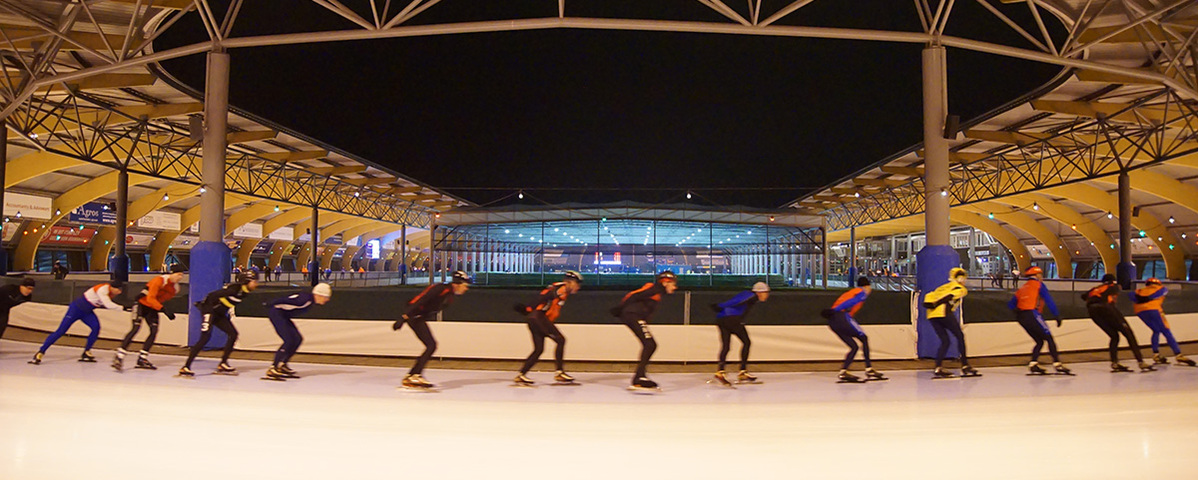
(67, 236)
(93, 213)
(249, 230)
(28, 206)
(160, 220)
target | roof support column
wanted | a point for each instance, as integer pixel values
(403, 252)
(1126, 271)
(210, 258)
(314, 241)
(3, 180)
(119, 265)
(432, 250)
(934, 261)
(852, 256)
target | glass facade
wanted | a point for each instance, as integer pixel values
(628, 252)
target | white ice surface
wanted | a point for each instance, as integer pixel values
(70, 420)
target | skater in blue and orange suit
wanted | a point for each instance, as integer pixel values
(1028, 302)
(84, 309)
(1149, 302)
(840, 320)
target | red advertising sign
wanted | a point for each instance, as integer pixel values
(56, 235)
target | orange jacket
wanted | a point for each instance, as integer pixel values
(1155, 298)
(157, 291)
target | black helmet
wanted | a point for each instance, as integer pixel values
(1108, 278)
(462, 277)
(863, 282)
(246, 277)
(667, 275)
(177, 268)
(28, 282)
(572, 275)
(117, 284)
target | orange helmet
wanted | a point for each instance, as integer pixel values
(1032, 271)
(1153, 281)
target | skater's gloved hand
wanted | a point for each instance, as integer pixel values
(1058, 322)
(169, 314)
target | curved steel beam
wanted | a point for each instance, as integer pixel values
(1022, 221)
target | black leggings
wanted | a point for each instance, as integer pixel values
(219, 320)
(849, 332)
(1033, 323)
(1112, 322)
(944, 326)
(151, 317)
(3, 323)
(420, 327)
(730, 326)
(640, 328)
(541, 327)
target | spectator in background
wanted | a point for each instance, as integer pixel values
(328, 272)
(278, 272)
(59, 270)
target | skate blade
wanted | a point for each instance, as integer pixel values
(749, 382)
(946, 377)
(1070, 374)
(643, 390)
(883, 379)
(187, 377)
(566, 384)
(419, 389)
(85, 361)
(1035, 374)
(849, 381)
(227, 374)
(273, 379)
(971, 375)
(522, 385)
(1121, 371)
(31, 362)
(723, 385)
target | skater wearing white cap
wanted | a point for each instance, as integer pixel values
(730, 318)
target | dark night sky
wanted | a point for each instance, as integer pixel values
(612, 115)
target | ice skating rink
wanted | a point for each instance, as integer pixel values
(70, 420)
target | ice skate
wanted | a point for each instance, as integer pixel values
(118, 363)
(644, 385)
(968, 371)
(522, 381)
(941, 372)
(846, 377)
(872, 375)
(273, 374)
(1183, 360)
(1061, 369)
(1034, 368)
(1119, 367)
(719, 380)
(1147, 367)
(144, 364)
(225, 369)
(286, 369)
(37, 358)
(186, 372)
(563, 378)
(744, 377)
(87, 357)
(416, 382)
(1160, 359)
